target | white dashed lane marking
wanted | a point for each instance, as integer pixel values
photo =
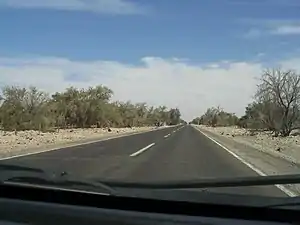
(142, 150)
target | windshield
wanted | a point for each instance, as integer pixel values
(133, 94)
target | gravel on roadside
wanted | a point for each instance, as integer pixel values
(23, 142)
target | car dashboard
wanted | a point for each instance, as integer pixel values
(26, 213)
(24, 205)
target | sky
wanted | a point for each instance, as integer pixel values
(191, 54)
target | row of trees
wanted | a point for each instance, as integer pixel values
(276, 106)
(216, 117)
(29, 108)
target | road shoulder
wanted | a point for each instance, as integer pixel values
(261, 161)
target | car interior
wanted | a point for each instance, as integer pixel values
(21, 204)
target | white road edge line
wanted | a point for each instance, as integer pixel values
(281, 187)
(142, 150)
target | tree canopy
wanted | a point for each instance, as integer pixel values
(30, 108)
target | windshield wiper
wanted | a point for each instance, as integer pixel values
(209, 183)
(58, 183)
(4, 167)
(11, 174)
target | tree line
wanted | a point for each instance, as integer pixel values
(275, 107)
(215, 116)
(32, 109)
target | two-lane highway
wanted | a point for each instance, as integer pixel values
(170, 154)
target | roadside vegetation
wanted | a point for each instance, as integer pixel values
(275, 107)
(32, 109)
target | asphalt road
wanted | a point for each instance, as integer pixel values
(170, 154)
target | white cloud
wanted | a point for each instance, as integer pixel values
(293, 64)
(260, 54)
(270, 3)
(286, 30)
(156, 81)
(264, 27)
(253, 33)
(98, 6)
(213, 65)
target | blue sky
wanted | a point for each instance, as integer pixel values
(140, 34)
(206, 30)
